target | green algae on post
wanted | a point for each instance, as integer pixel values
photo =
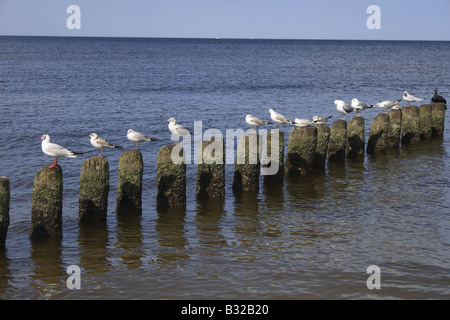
(129, 187)
(171, 177)
(211, 169)
(301, 150)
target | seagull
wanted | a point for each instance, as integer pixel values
(342, 107)
(359, 106)
(55, 151)
(387, 104)
(177, 129)
(255, 122)
(410, 98)
(137, 137)
(303, 122)
(438, 98)
(278, 118)
(100, 143)
(320, 120)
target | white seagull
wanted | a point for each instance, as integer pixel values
(320, 120)
(342, 107)
(177, 129)
(359, 106)
(278, 118)
(387, 104)
(101, 144)
(55, 151)
(303, 122)
(410, 98)
(138, 137)
(255, 122)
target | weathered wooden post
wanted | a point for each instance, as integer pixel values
(378, 133)
(129, 186)
(338, 141)
(248, 164)
(301, 151)
(4, 209)
(46, 205)
(356, 138)
(273, 169)
(438, 119)
(211, 169)
(171, 176)
(323, 138)
(410, 125)
(395, 129)
(425, 121)
(94, 190)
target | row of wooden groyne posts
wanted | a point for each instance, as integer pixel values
(308, 148)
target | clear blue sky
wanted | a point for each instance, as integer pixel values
(274, 19)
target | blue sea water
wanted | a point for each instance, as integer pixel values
(310, 238)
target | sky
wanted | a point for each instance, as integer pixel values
(267, 19)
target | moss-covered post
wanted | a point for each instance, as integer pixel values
(94, 190)
(323, 138)
(378, 134)
(356, 138)
(129, 186)
(438, 119)
(248, 164)
(301, 151)
(273, 166)
(395, 129)
(211, 169)
(171, 176)
(410, 125)
(46, 204)
(338, 141)
(4, 209)
(425, 122)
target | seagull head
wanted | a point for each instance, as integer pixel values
(130, 131)
(93, 135)
(45, 137)
(315, 118)
(271, 110)
(171, 120)
(405, 94)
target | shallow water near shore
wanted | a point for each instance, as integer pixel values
(308, 238)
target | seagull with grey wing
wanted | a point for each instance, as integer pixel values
(255, 122)
(359, 106)
(138, 137)
(278, 118)
(101, 144)
(387, 104)
(343, 108)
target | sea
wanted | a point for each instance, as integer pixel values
(370, 229)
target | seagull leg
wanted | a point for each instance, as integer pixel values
(55, 161)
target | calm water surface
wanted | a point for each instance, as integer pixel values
(309, 238)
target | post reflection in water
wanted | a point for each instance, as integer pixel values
(209, 218)
(47, 261)
(129, 240)
(93, 242)
(171, 234)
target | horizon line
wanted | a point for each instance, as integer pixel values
(218, 38)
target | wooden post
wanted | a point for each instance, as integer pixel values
(171, 176)
(438, 119)
(378, 134)
(129, 186)
(395, 129)
(410, 125)
(211, 169)
(301, 151)
(323, 138)
(46, 205)
(425, 121)
(248, 165)
(356, 138)
(4, 209)
(94, 190)
(273, 170)
(338, 141)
